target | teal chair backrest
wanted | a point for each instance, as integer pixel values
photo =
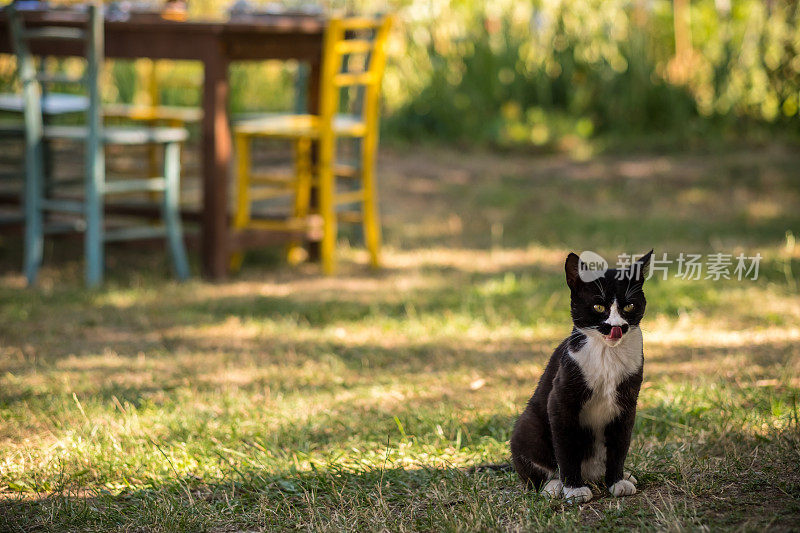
(33, 79)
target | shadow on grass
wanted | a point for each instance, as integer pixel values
(519, 297)
(417, 498)
(272, 363)
(438, 497)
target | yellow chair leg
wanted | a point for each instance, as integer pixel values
(328, 105)
(302, 197)
(371, 222)
(153, 170)
(242, 215)
(327, 207)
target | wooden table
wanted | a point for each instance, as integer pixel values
(215, 44)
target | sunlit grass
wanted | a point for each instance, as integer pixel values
(282, 399)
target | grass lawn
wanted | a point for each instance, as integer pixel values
(284, 400)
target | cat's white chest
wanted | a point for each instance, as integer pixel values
(604, 368)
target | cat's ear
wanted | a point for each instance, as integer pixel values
(639, 268)
(571, 267)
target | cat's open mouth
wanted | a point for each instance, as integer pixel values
(615, 334)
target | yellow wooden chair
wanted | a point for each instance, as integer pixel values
(353, 62)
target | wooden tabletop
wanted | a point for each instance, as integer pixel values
(149, 35)
(248, 23)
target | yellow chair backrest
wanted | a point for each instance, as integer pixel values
(354, 57)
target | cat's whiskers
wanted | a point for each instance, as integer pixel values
(631, 291)
(602, 289)
(582, 332)
(574, 336)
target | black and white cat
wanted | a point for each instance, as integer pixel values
(577, 426)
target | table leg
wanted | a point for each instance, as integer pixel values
(216, 147)
(313, 109)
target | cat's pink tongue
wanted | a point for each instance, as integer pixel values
(616, 333)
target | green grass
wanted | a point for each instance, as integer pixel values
(283, 400)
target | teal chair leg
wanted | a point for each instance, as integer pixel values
(34, 231)
(95, 154)
(93, 206)
(171, 207)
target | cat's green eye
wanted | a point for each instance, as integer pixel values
(599, 308)
(628, 308)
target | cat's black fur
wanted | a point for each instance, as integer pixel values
(549, 436)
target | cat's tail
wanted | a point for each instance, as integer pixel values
(494, 467)
(532, 476)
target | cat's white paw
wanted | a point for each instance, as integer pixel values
(623, 487)
(577, 494)
(629, 477)
(553, 489)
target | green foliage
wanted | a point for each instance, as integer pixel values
(551, 71)
(496, 84)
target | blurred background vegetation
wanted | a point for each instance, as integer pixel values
(556, 74)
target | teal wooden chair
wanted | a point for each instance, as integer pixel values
(41, 201)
